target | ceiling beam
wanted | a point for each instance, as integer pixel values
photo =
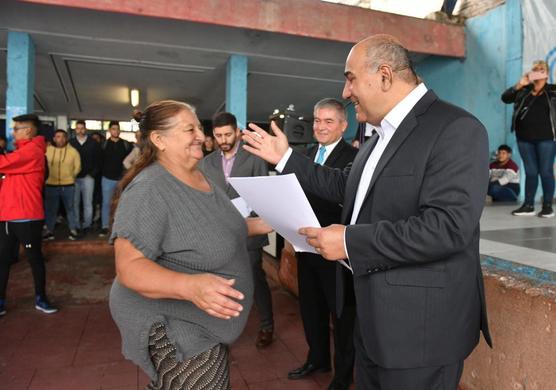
(307, 18)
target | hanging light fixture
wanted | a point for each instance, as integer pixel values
(134, 97)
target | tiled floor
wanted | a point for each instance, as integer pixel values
(79, 347)
(528, 240)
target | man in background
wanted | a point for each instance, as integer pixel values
(315, 275)
(21, 207)
(503, 176)
(89, 152)
(114, 151)
(64, 164)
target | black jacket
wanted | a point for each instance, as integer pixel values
(511, 95)
(90, 157)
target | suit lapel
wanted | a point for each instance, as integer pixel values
(336, 153)
(354, 177)
(402, 132)
(407, 125)
(241, 156)
(312, 152)
(217, 171)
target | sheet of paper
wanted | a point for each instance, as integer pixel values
(281, 202)
(242, 206)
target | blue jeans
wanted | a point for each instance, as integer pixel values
(108, 188)
(538, 160)
(501, 193)
(52, 196)
(85, 187)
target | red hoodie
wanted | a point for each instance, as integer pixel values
(21, 190)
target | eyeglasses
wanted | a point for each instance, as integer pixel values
(16, 128)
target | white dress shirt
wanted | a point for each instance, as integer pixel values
(327, 150)
(386, 130)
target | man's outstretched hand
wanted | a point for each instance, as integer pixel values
(270, 148)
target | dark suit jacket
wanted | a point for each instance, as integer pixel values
(415, 246)
(330, 212)
(245, 165)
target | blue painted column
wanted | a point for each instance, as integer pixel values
(236, 88)
(514, 55)
(20, 78)
(514, 71)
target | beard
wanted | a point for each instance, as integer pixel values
(226, 147)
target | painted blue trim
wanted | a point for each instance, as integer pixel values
(236, 88)
(20, 78)
(534, 275)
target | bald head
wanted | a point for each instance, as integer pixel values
(383, 49)
(379, 74)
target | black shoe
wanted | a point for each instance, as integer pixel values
(546, 212)
(48, 237)
(306, 369)
(524, 210)
(264, 338)
(103, 232)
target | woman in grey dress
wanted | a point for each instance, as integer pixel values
(184, 287)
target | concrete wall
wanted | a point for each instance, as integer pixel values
(476, 82)
(521, 304)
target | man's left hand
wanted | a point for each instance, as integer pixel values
(328, 241)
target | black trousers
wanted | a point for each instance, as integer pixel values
(317, 302)
(29, 234)
(370, 376)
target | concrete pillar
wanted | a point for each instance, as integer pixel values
(236, 88)
(20, 78)
(514, 71)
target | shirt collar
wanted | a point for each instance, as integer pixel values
(329, 148)
(394, 118)
(400, 110)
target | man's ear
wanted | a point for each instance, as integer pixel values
(386, 77)
(30, 132)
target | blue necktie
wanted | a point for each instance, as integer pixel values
(320, 158)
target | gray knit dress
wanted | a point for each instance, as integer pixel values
(184, 230)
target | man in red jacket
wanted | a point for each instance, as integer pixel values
(21, 206)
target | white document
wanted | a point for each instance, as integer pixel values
(242, 206)
(281, 202)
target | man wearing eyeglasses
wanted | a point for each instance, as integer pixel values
(21, 207)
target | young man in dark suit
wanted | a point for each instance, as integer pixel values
(315, 275)
(412, 201)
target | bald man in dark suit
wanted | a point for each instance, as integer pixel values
(412, 201)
